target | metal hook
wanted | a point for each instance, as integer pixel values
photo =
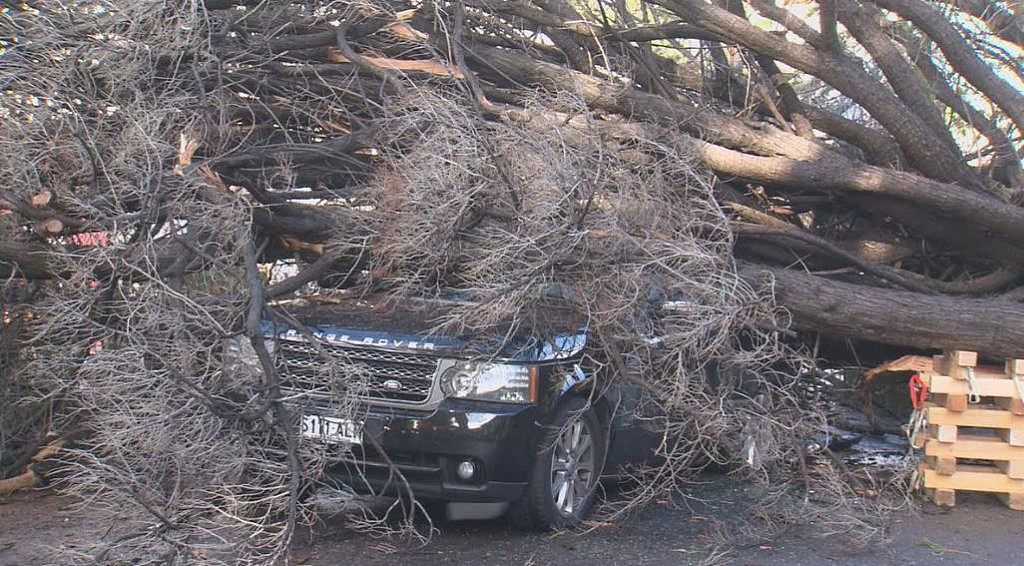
(972, 385)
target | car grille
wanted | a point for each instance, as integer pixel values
(302, 369)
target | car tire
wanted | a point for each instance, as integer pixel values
(566, 470)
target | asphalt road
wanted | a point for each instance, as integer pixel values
(980, 530)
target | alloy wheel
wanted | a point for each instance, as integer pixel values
(572, 467)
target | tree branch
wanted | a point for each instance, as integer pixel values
(960, 55)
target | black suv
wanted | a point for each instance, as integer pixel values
(520, 426)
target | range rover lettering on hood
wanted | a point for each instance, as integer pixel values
(529, 349)
(340, 338)
(387, 343)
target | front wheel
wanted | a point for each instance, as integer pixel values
(569, 461)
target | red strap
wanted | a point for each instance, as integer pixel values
(918, 391)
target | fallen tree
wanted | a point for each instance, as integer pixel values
(861, 160)
(872, 163)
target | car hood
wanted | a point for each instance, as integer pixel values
(519, 348)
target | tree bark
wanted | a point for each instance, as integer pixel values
(945, 200)
(960, 55)
(997, 20)
(768, 154)
(31, 261)
(895, 317)
(925, 152)
(860, 21)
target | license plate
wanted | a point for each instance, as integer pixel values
(332, 430)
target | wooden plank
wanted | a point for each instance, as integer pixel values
(943, 466)
(952, 362)
(979, 417)
(1014, 501)
(942, 497)
(975, 446)
(942, 457)
(987, 387)
(1014, 368)
(1015, 406)
(1013, 436)
(982, 372)
(970, 477)
(962, 358)
(991, 372)
(906, 363)
(945, 433)
(1013, 469)
(955, 402)
(919, 438)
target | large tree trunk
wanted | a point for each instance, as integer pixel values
(895, 317)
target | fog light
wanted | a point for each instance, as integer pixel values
(466, 470)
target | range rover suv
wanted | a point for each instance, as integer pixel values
(520, 425)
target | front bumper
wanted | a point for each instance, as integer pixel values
(499, 439)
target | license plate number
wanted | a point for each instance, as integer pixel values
(332, 430)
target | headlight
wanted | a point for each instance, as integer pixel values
(239, 355)
(505, 383)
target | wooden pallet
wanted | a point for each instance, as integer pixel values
(945, 425)
(943, 456)
(990, 432)
(948, 384)
(967, 477)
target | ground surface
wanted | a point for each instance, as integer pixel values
(980, 530)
